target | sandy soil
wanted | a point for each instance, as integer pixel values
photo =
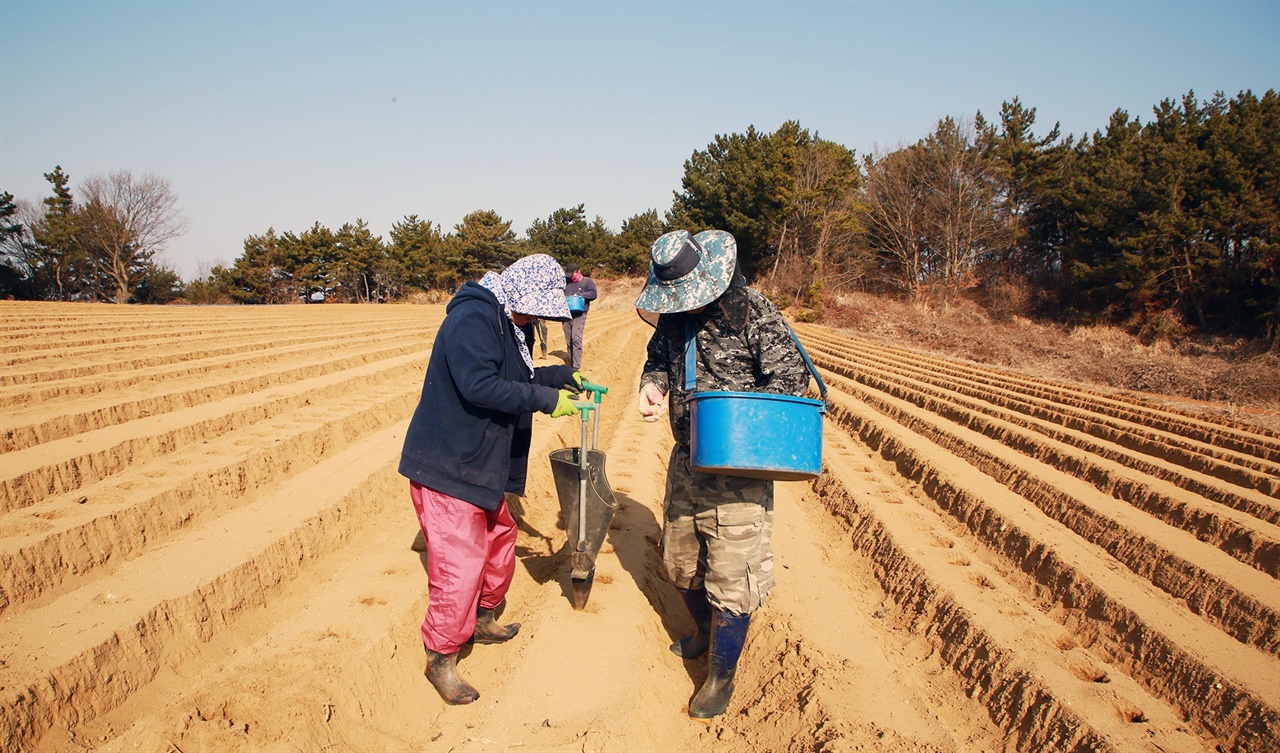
(205, 546)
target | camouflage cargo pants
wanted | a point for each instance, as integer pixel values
(716, 531)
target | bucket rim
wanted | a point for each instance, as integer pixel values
(770, 396)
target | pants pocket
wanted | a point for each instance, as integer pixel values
(739, 522)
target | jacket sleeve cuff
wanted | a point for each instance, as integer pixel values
(559, 377)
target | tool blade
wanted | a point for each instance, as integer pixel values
(581, 591)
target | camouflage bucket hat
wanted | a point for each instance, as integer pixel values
(534, 285)
(687, 271)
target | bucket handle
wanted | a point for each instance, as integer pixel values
(822, 388)
(691, 366)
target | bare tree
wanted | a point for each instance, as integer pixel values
(17, 244)
(894, 192)
(936, 213)
(125, 221)
(966, 219)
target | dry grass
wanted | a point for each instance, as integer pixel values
(1213, 376)
(427, 297)
(618, 295)
(1218, 377)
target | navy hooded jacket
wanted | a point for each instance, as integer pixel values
(470, 434)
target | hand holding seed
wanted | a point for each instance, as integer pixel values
(652, 403)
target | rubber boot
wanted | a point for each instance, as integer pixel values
(695, 645)
(728, 633)
(489, 631)
(442, 672)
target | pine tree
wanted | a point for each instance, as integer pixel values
(483, 242)
(419, 248)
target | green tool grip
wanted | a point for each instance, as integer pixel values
(599, 390)
(584, 408)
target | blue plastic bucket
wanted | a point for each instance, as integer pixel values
(576, 303)
(756, 434)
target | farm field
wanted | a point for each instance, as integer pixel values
(204, 545)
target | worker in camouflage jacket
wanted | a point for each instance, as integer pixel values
(716, 530)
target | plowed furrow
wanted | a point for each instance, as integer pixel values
(128, 514)
(1249, 540)
(1227, 690)
(1245, 499)
(114, 343)
(156, 613)
(1249, 439)
(1048, 693)
(599, 345)
(114, 386)
(231, 501)
(104, 453)
(1244, 470)
(1219, 429)
(20, 437)
(213, 554)
(19, 320)
(21, 348)
(1244, 603)
(157, 355)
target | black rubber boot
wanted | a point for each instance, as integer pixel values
(442, 672)
(728, 633)
(489, 631)
(695, 645)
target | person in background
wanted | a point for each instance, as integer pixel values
(541, 326)
(577, 284)
(529, 329)
(716, 528)
(468, 445)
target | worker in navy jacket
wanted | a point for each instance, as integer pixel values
(468, 444)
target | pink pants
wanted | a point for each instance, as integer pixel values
(470, 563)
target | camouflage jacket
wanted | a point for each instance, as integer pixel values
(760, 358)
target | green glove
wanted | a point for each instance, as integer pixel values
(577, 378)
(564, 406)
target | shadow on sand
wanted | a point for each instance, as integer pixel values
(636, 537)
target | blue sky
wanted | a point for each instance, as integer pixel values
(282, 114)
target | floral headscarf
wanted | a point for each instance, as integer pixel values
(534, 286)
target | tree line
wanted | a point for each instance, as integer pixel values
(100, 248)
(1143, 224)
(353, 265)
(1140, 224)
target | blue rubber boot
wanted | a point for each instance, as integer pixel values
(728, 633)
(695, 645)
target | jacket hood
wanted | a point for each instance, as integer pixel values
(472, 291)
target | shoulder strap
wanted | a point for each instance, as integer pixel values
(690, 355)
(691, 361)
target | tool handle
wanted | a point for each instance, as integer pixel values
(597, 390)
(584, 409)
